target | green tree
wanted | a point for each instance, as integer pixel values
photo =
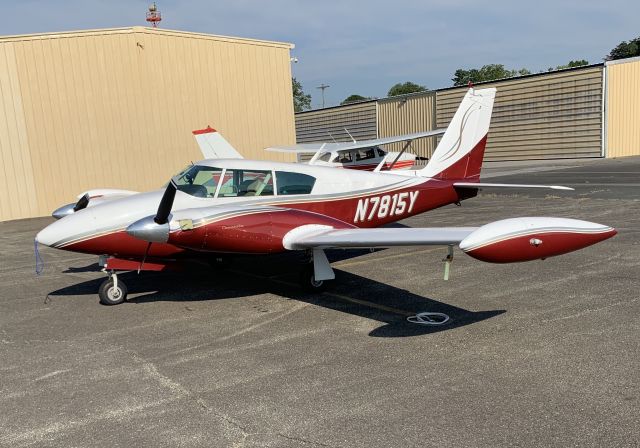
(354, 99)
(571, 64)
(301, 101)
(404, 88)
(489, 72)
(625, 50)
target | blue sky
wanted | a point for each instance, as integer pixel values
(365, 47)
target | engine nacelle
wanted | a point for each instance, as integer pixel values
(257, 230)
(524, 239)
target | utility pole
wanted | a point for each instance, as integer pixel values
(322, 87)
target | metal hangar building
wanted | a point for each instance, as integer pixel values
(115, 108)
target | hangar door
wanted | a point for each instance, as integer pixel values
(407, 114)
(327, 125)
(547, 116)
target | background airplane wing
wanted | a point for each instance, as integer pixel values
(314, 147)
(315, 238)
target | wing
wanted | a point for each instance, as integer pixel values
(306, 148)
(490, 185)
(323, 238)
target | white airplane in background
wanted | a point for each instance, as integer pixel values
(237, 206)
(363, 155)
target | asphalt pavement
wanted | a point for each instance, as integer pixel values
(537, 354)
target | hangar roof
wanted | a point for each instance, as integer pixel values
(144, 29)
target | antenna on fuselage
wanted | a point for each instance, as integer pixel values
(334, 140)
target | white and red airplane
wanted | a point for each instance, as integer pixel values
(233, 206)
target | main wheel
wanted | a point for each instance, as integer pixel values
(308, 280)
(110, 295)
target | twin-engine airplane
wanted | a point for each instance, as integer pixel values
(237, 206)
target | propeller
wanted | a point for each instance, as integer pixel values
(82, 203)
(164, 208)
(155, 229)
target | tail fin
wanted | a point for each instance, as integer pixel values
(214, 146)
(461, 150)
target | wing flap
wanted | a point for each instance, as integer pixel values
(381, 237)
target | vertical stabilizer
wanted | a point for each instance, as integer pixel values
(460, 152)
(214, 146)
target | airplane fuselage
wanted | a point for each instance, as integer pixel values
(251, 224)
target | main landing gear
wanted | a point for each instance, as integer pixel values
(112, 291)
(316, 273)
(308, 279)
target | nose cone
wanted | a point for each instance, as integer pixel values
(54, 235)
(147, 229)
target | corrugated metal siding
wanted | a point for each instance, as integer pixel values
(558, 115)
(407, 114)
(326, 125)
(115, 108)
(17, 187)
(623, 108)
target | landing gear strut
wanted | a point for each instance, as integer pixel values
(316, 272)
(112, 291)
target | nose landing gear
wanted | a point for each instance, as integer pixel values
(112, 291)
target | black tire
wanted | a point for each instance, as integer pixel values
(110, 297)
(309, 282)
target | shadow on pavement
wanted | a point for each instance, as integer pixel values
(278, 274)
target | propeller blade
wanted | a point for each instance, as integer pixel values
(162, 215)
(82, 203)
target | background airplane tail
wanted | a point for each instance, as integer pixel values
(460, 152)
(214, 146)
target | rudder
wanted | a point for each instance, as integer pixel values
(460, 152)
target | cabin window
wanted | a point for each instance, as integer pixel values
(294, 183)
(325, 157)
(365, 154)
(246, 183)
(381, 152)
(344, 157)
(199, 181)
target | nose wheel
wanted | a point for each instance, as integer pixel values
(112, 291)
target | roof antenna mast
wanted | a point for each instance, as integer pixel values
(153, 16)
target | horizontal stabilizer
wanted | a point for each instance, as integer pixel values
(490, 185)
(214, 146)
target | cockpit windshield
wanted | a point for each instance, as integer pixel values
(199, 181)
(209, 182)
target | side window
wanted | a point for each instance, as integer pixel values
(344, 157)
(294, 183)
(381, 153)
(365, 154)
(246, 183)
(325, 157)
